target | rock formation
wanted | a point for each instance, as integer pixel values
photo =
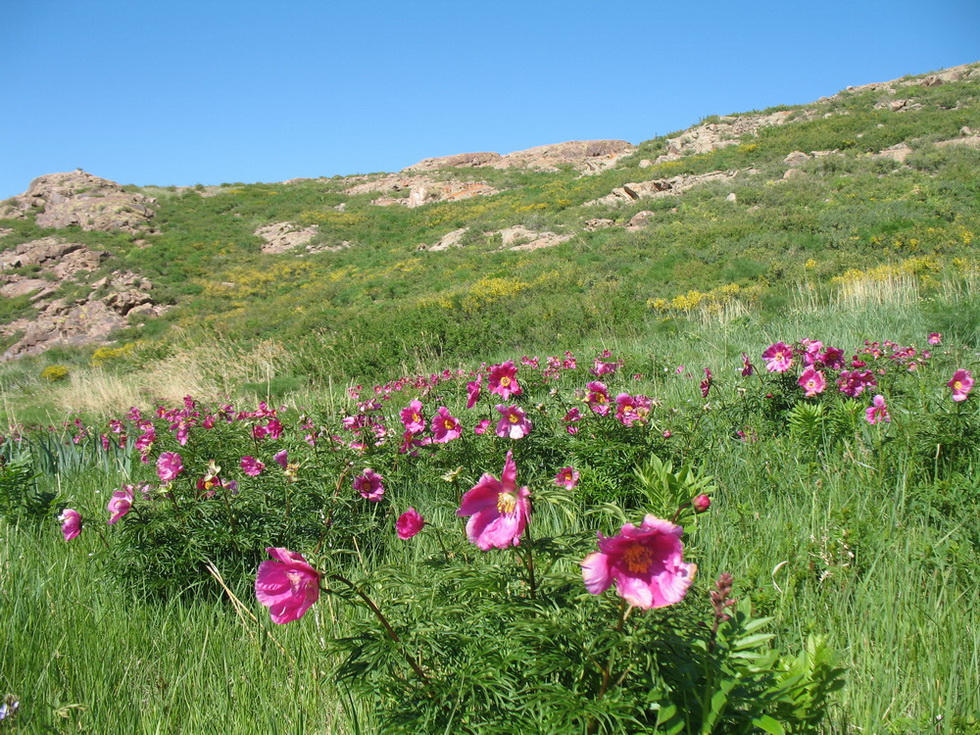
(83, 200)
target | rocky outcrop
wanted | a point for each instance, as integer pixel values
(460, 160)
(421, 190)
(449, 240)
(587, 156)
(80, 199)
(89, 320)
(657, 188)
(521, 238)
(281, 237)
(724, 132)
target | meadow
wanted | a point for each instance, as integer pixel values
(850, 535)
(713, 475)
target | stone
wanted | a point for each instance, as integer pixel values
(796, 158)
(598, 223)
(793, 173)
(898, 152)
(731, 198)
(283, 236)
(460, 160)
(640, 220)
(657, 188)
(449, 240)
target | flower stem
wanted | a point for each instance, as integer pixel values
(385, 624)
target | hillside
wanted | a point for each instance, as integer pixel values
(356, 276)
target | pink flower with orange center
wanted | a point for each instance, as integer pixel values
(961, 384)
(412, 417)
(503, 380)
(445, 427)
(369, 485)
(567, 477)
(645, 563)
(498, 509)
(812, 381)
(778, 357)
(513, 423)
(169, 465)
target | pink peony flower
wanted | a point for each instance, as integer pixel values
(120, 503)
(408, 524)
(287, 586)
(645, 563)
(706, 383)
(513, 423)
(169, 465)
(445, 427)
(71, 523)
(962, 384)
(571, 418)
(598, 397)
(369, 485)
(878, 411)
(630, 409)
(503, 380)
(812, 381)
(252, 467)
(747, 367)
(473, 392)
(281, 458)
(935, 338)
(412, 417)
(567, 477)
(778, 357)
(701, 503)
(481, 427)
(498, 508)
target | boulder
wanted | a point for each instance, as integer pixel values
(640, 220)
(460, 160)
(796, 158)
(449, 240)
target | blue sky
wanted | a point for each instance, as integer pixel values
(185, 92)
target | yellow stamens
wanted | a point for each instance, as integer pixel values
(638, 558)
(506, 502)
(505, 381)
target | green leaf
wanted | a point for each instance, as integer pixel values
(767, 723)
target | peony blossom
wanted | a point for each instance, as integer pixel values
(120, 503)
(962, 384)
(598, 397)
(71, 523)
(369, 485)
(747, 367)
(281, 458)
(567, 477)
(408, 524)
(778, 357)
(498, 509)
(445, 427)
(169, 465)
(812, 381)
(503, 380)
(935, 338)
(645, 563)
(513, 423)
(473, 392)
(287, 586)
(481, 427)
(412, 418)
(252, 467)
(878, 411)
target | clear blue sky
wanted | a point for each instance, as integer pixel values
(198, 91)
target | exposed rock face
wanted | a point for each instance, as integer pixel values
(81, 199)
(460, 160)
(640, 220)
(727, 131)
(659, 187)
(598, 223)
(421, 190)
(85, 321)
(282, 236)
(588, 156)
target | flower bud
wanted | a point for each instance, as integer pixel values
(701, 503)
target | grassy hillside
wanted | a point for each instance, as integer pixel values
(848, 218)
